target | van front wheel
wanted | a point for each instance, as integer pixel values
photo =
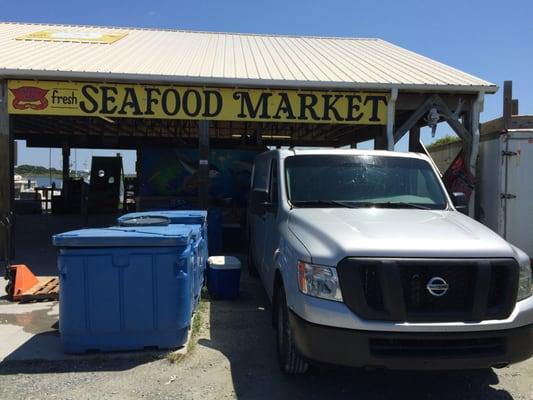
(290, 360)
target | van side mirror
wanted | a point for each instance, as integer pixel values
(459, 201)
(259, 196)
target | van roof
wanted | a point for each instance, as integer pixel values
(325, 151)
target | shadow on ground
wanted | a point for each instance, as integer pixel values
(94, 363)
(42, 353)
(242, 331)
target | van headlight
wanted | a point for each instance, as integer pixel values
(319, 281)
(524, 282)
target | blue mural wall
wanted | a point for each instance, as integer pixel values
(174, 172)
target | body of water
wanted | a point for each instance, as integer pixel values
(45, 181)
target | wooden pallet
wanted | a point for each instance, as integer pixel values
(46, 289)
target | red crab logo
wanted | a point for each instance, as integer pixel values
(29, 97)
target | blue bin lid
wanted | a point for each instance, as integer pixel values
(148, 236)
(224, 263)
(146, 220)
(175, 216)
(196, 229)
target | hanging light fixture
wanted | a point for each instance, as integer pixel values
(432, 119)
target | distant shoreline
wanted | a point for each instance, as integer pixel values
(56, 176)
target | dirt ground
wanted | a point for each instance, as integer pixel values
(234, 357)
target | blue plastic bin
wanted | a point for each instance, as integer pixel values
(223, 277)
(125, 288)
(197, 219)
(200, 260)
(187, 217)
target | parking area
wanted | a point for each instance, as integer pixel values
(234, 357)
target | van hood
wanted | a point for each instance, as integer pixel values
(331, 234)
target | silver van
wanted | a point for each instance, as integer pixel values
(369, 263)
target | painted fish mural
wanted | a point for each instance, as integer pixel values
(174, 173)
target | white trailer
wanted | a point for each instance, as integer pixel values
(505, 185)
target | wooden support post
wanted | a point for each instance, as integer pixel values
(66, 169)
(203, 167)
(380, 141)
(507, 103)
(6, 180)
(414, 139)
(391, 117)
(477, 107)
(414, 117)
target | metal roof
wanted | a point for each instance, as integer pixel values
(209, 58)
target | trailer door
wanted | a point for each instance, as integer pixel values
(517, 190)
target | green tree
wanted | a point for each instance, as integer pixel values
(443, 140)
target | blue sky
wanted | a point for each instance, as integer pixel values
(490, 39)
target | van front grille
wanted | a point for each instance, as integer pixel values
(397, 289)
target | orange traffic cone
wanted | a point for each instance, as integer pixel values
(24, 280)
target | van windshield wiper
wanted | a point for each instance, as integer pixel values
(400, 204)
(384, 204)
(358, 204)
(311, 203)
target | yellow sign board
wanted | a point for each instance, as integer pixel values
(52, 35)
(210, 103)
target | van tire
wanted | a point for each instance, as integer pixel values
(290, 360)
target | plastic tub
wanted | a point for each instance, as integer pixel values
(125, 288)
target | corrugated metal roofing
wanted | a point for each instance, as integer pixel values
(148, 55)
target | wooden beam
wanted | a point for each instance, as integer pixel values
(522, 122)
(412, 101)
(414, 139)
(493, 126)
(507, 103)
(414, 117)
(454, 123)
(380, 141)
(6, 179)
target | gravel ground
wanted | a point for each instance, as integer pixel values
(234, 357)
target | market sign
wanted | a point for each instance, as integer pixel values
(179, 102)
(51, 35)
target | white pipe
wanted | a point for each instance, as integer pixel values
(477, 107)
(474, 152)
(391, 111)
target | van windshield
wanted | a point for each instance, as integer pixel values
(362, 181)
